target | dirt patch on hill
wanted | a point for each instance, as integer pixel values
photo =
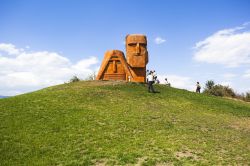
(103, 83)
(140, 161)
(164, 164)
(144, 159)
(186, 154)
(241, 124)
(101, 162)
(235, 99)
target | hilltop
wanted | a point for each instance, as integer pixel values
(118, 123)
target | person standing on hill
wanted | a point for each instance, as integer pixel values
(147, 73)
(150, 79)
(166, 82)
(154, 75)
(198, 87)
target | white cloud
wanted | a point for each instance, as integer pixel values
(29, 71)
(226, 83)
(229, 75)
(229, 47)
(247, 74)
(178, 81)
(159, 40)
(9, 49)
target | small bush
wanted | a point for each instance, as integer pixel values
(229, 91)
(74, 79)
(209, 84)
(240, 96)
(220, 90)
(247, 98)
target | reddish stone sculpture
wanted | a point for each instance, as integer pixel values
(116, 67)
(137, 56)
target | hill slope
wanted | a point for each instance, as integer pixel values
(114, 123)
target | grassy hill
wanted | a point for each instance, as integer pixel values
(115, 123)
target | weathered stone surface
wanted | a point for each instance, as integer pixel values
(136, 50)
(116, 67)
(137, 56)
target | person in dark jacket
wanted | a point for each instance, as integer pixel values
(198, 87)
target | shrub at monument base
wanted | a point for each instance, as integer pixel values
(115, 123)
(74, 79)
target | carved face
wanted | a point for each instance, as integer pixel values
(136, 50)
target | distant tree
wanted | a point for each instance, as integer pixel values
(224, 91)
(247, 98)
(74, 79)
(218, 90)
(209, 84)
(229, 92)
(240, 96)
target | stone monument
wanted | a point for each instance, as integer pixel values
(115, 67)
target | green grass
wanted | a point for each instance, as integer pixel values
(109, 123)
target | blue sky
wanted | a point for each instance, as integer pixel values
(53, 40)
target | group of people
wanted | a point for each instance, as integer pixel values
(153, 73)
(152, 78)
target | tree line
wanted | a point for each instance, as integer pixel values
(224, 91)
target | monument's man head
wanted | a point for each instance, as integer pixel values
(136, 50)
